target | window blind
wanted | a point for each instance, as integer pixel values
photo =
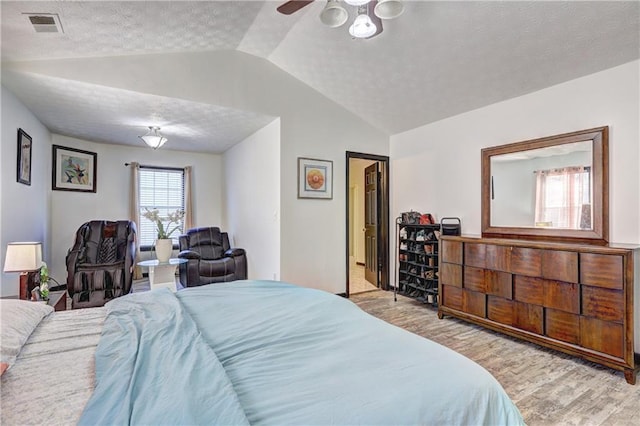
(162, 189)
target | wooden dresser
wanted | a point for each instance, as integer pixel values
(575, 298)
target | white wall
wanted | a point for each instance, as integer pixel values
(24, 210)
(441, 161)
(312, 237)
(252, 200)
(69, 210)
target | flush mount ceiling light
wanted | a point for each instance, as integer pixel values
(153, 138)
(368, 14)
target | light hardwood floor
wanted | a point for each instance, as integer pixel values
(357, 282)
(549, 387)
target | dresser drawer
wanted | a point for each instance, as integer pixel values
(474, 303)
(526, 261)
(602, 303)
(451, 274)
(452, 297)
(528, 317)
(499, 283)
(474, 278)
(562, 326)
(602, 270)
(500, 310)
(474, 255)
(451, 252)
(560, 265)
(602, 336)
(528, 289)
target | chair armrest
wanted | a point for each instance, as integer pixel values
(188, 254)
(234, 252)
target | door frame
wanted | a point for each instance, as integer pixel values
(383, 219)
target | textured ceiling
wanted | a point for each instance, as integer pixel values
(436, 60)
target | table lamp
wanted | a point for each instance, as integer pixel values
(24, 257)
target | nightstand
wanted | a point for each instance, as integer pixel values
(58, 299)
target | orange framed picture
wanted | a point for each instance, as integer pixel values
(315, 178)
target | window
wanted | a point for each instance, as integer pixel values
(162, 189)
(563, 198)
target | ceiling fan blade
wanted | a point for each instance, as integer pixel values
(292, 6)
(374, 18)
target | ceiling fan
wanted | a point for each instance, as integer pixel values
(369, 14)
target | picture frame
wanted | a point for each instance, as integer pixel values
(315, 178)
(74, 169)
(24, 158)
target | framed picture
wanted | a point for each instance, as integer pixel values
(24, 157)
(74, 169)
(315, 178)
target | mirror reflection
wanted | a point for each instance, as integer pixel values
(549, 187)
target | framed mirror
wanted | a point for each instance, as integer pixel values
(552, 188)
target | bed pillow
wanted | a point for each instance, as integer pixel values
(18, 319)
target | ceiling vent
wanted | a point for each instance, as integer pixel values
(45, 22)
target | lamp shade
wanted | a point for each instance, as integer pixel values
(333, 15)
(389, 9)
(153, 138)
(23, 257)
(362, 27)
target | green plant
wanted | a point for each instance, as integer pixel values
(44, 281)
(163, 223)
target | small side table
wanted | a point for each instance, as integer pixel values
(58, 299)
(162, 274)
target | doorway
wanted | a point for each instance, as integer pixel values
(367, 222)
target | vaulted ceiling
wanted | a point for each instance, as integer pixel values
(436, 60)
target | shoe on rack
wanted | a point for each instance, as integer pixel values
(403, 233)
(403, 246)
(437, 234)
(420, 235)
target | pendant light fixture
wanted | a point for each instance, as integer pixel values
(335, 14)
(362, 26)
(153, 138)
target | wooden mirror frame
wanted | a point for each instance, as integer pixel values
(600, 180)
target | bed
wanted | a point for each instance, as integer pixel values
(246, 352)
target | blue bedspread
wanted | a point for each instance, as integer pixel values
(273, 353)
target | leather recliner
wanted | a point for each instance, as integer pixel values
(210, 259)
(100, 263)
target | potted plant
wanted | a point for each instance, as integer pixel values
(164, 244)
(44, 281)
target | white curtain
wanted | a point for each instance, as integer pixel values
(562, 196)
(134, 211)
(188, 203)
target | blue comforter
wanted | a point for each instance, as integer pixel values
(264, 352)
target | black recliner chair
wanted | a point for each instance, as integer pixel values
(100, 263)
(210, 258)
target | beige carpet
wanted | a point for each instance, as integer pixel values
(549, 387)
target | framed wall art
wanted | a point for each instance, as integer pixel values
(315, 178)
(74, 169)
(24, 157)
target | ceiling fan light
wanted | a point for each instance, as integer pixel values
(362, 27)
(388, 9)
(333, 15)
(356, 2)
(153, 138)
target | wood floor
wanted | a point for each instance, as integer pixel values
(549, 387)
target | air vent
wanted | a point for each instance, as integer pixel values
(45, 22)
